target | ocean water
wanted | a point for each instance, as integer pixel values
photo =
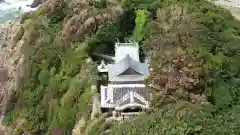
(11, 9)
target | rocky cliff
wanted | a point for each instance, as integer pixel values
(47, 54)
(47, 66)
(11, 63)
(35, 3)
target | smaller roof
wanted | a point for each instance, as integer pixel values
(128, 63)
(127, 69)
(123, 49)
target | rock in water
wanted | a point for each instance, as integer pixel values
(35, 3)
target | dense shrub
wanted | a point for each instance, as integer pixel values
(55, 90)
(171, 119)
(222, 123)
(193, 47)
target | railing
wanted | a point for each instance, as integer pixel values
(140, 98)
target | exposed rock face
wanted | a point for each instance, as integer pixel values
(36, 3)
(11, 61)
(78, 130)
(3, 68)
(14, 37)
(3, 74)
(96, 110)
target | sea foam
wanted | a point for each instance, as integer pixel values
(11, 9)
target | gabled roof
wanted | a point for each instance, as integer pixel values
(129, 63)
(128, 69)
(122, 97)
(123, 49)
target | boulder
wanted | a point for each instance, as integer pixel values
(35, 3)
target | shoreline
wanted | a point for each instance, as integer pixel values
(16, 13)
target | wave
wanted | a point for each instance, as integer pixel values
(21, 5)
(11, 9)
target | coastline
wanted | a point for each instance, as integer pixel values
(11, 52)
(11, 10)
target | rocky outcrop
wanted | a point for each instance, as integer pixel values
(96, 110)
(11, 62)
(74, 26)
(35, 3)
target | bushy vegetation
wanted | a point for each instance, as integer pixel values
(56, 88)
(171, 119)
(193, 47)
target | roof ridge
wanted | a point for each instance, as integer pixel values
(129, 62)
